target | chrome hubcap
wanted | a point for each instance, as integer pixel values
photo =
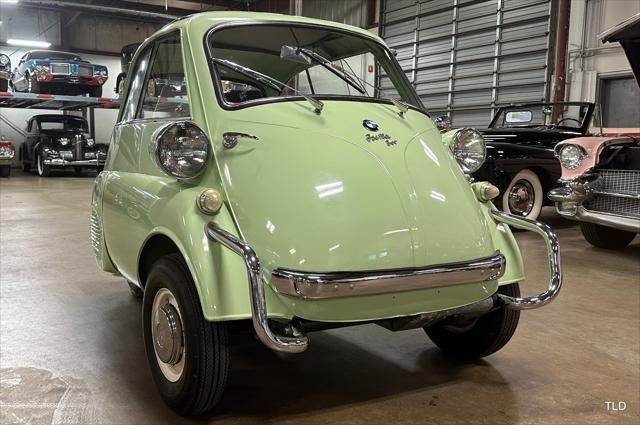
(168, 335)
(521, 198)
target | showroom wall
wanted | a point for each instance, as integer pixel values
(590, 61)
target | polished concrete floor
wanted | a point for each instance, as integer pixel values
(71, 345)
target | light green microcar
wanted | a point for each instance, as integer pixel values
(281, 172)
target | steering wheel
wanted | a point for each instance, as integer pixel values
(569, 119)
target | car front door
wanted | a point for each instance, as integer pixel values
(150, 104)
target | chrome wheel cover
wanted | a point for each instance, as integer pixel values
(167, 333)
(522, 197)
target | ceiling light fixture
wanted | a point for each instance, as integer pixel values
(28, 43)
(9, 1)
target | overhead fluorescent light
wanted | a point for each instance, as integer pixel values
(9, 1)
(28, 43)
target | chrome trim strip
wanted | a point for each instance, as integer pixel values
(63, 162)
(553, 251)
(296, 344)
(308, 285)
(621, 222)
(617, 194)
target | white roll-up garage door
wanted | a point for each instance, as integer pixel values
(466, 57)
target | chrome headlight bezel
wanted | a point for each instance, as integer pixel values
(5, 61)
(181, 149)
(570, 155)
(469, 149)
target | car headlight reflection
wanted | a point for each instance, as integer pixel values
(571, 156)
(469, 149)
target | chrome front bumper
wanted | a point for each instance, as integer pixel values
(317, 286)
(570, 197)
(58, 162)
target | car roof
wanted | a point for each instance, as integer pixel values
(213, 19)
(52, 116)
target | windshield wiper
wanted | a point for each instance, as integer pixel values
(335, 69)
(269, 81)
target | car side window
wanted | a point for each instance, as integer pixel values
(166, 87)
(135, 87)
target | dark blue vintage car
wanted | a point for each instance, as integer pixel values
(45, 71)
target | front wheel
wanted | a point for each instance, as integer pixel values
(606, 237)
(188, 355)
(524, 195)
(480, 336)
(5, 170)
(44, 170)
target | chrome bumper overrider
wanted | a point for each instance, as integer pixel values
(64, 163)
(553, 253)
(331, 285)
(256, 293)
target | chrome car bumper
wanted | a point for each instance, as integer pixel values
(331, 285)
(569, 200)
(58, 162)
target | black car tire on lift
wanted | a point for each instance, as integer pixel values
(5, 170)
(4, 85)
(95, 91)
(32, 85)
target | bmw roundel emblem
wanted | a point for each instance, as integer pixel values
(370, 125)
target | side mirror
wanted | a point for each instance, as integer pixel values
(443, 123)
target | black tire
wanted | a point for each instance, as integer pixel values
(197, 389)
(26, 166)
(43, 169)
(606, 237)
(100, 169)
(77, 171)
(95, 91)
(5, 170)
(4, 84)
(488, 334)
(135, 290)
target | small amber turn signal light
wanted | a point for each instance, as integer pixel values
(485, 191)
(210, 201)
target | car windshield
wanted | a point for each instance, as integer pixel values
(54, 55)
(63, 124)
(548, 115)
(269, 61)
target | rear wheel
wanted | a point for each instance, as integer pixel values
(188, 355)
(5, 170)
(44, 170)
(606, 237)
(4, 84)
(524, 195)
(26, 166)
(477, 337)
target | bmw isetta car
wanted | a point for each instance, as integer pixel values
(283, 189)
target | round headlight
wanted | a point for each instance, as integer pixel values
(63, 141)
(468, 149)
(4, 60)
(90, 142)
(571, 156)
(181, 149)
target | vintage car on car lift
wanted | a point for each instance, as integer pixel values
(52, 72)
(601, 175)
(282, 189)
(60, 141)
(520, 159)
(5, 72)
(7, 152)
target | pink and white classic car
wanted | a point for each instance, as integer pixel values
(601, 175)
